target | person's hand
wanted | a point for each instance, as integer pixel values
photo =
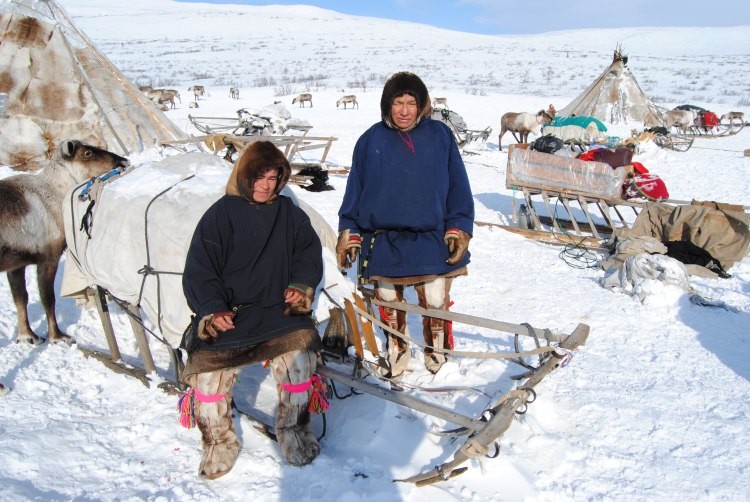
(212, 325)
(223, 321)
(298, 299)
(347, 248)
(458, 244)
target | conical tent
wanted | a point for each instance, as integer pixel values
(59, 86)
(615, 98)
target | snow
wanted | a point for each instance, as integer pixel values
(654, 407)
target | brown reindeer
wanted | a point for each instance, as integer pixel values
(302, 98)
(31, 227)
(522, 123)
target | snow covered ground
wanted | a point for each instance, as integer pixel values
(654, 407)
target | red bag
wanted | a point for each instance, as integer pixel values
(647, 186)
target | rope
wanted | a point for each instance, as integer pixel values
(575, 254)
(147, 269)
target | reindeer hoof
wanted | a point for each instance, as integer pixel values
(62, 338)
(31, 339)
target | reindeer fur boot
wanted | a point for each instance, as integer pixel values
(213, 416)
(298, 444)
(434, 329)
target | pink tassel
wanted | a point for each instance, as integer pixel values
(185, 405)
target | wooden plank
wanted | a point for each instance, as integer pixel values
(585, 208)
(530, 206)
(551, 213)
(140, 338)
(482, 322)
(367, 330)
(100, 298)
(353, 321)
(566, 204)
(546, 237)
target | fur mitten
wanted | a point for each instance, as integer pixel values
(458, 244)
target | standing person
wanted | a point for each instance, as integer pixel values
(409, 211)
(250, 273)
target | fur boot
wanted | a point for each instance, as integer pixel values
(398, 350)
(214, 419)
(434, 294)
(298, 444)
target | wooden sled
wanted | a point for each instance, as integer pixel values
(481, 432)
(349, 367)
(580, 199)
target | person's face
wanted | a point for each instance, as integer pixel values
(264, 186)
(404, 111)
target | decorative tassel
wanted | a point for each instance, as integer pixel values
(185, 405)
(319, 396)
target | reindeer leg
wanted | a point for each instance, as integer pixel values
(17, 281)
(45, 273)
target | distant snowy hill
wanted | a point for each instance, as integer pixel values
(295, 48)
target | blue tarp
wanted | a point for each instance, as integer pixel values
(581, 121)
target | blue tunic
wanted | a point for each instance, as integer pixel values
(405, 189)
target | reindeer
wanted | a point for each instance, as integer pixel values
(31, 227)
(197, 90)
(234, 93)
(522, 123)
(301, 98)
(730, 116)
(162, 96)
(681, 119)
(343, 100)
(441, 102)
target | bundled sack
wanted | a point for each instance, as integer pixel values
(645, 186)
(615, 157)
(547, 144)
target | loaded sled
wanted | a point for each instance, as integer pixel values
(464, 136)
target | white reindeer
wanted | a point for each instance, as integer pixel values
(302, 98)
(522, 123)
(681, 119)
(343, 100)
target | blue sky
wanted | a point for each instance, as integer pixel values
(501, 17)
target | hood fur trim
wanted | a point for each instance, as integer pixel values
(401, 83)
(257, 158)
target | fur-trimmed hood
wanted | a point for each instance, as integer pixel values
(399, 84)
(257, 158)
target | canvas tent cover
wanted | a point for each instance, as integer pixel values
(142, 223)
(60, 87)
(616, 98)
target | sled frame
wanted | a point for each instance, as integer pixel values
(482, 433)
